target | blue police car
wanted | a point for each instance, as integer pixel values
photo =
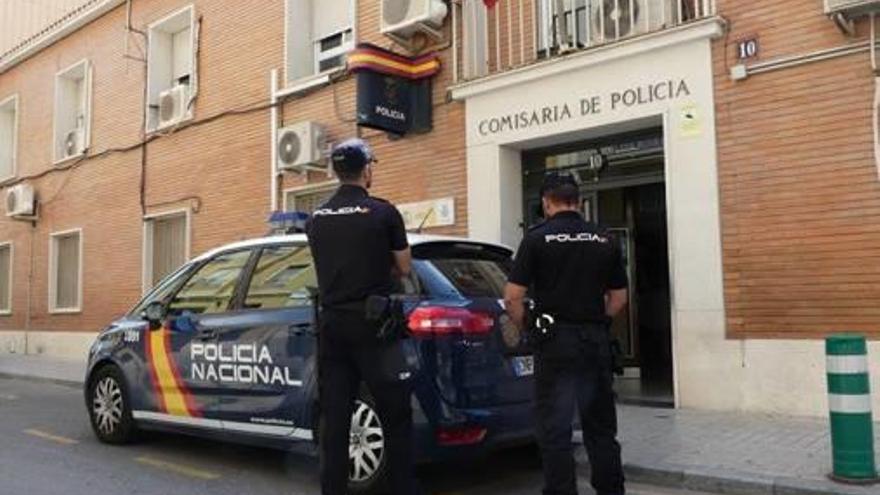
(226, 346)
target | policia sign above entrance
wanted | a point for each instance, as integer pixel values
(668, 90)
(393, 91)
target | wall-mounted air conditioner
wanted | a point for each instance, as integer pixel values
(20, 201)
(611, 20)
(852, 8)
(404, 18)
(301, 146)
(173, 105)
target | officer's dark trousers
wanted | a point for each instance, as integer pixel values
(574, 371)
(348, 354)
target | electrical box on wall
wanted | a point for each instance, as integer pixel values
(852, 8)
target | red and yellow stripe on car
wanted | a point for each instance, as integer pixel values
(172, 396)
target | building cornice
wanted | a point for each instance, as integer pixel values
(50, 36)
(710, 28)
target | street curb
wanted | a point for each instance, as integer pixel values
(42, 379)
(729, 482)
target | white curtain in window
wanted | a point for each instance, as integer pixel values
(5, 269)
(330, 16)
(67, 272)
(169, 245)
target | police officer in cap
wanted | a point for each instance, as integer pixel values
(575, 275)
(359, 245)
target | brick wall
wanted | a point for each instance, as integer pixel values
(218, 168)
(799, 188)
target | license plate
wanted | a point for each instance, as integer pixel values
(524, 366)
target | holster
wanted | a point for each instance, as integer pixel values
(387, 314)
(540, 327)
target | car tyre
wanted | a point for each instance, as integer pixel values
(109, 407)
(368, 471)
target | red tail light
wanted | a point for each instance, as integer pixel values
(437, 320)
(451, 437)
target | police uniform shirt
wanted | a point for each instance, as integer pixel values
(569, 265)
(352, 237)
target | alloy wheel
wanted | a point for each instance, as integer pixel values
(367, 443)
(107, 405)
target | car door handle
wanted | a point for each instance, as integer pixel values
(299, 328)
(207, 334)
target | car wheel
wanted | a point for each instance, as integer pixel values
(366, 450)
(109, 409)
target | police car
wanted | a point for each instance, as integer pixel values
(225, 347)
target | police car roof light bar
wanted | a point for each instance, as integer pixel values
(288, 222)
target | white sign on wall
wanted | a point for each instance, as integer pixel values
(427, 214)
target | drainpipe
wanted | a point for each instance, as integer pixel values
(273, 127)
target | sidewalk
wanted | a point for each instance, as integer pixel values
(42, 368)
(730, 453)
(733, 453)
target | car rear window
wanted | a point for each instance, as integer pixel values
(463, 270)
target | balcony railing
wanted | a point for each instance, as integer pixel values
(515, 33)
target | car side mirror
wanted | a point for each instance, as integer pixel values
(155, 314)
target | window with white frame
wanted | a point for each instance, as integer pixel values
(319, 35)
(72, 111)
(308, 200)
(5, 278)
(171, 74)
(166, 245)
(8, 136)
(65, 271)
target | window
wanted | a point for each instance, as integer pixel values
(319, 35)
(308, 200)
(65, 272)
(166, 246)
(282, 278)
(5, 278)
(171, 78)
(212, 287)
(163, 290)
(72, 111)
(8, 136)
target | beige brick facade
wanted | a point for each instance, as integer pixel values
(800, 196)
(216, 165)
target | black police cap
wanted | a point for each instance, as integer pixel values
(351, 155)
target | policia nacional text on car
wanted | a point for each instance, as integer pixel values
(576, 277)
(359, 245)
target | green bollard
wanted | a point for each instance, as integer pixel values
(849, 399)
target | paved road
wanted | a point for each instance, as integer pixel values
(47, 448)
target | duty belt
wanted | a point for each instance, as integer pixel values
(346, 306)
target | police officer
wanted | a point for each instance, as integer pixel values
(359, 244)
(576, 277)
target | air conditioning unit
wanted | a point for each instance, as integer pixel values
(404, 18)
(852, 8)
(75, 142)
(611, 20)
(173, 105)
(20, 201)
(301, 146)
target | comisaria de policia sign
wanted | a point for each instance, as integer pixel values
(584, 107)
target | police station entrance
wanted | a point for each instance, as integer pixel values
(623, 190)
